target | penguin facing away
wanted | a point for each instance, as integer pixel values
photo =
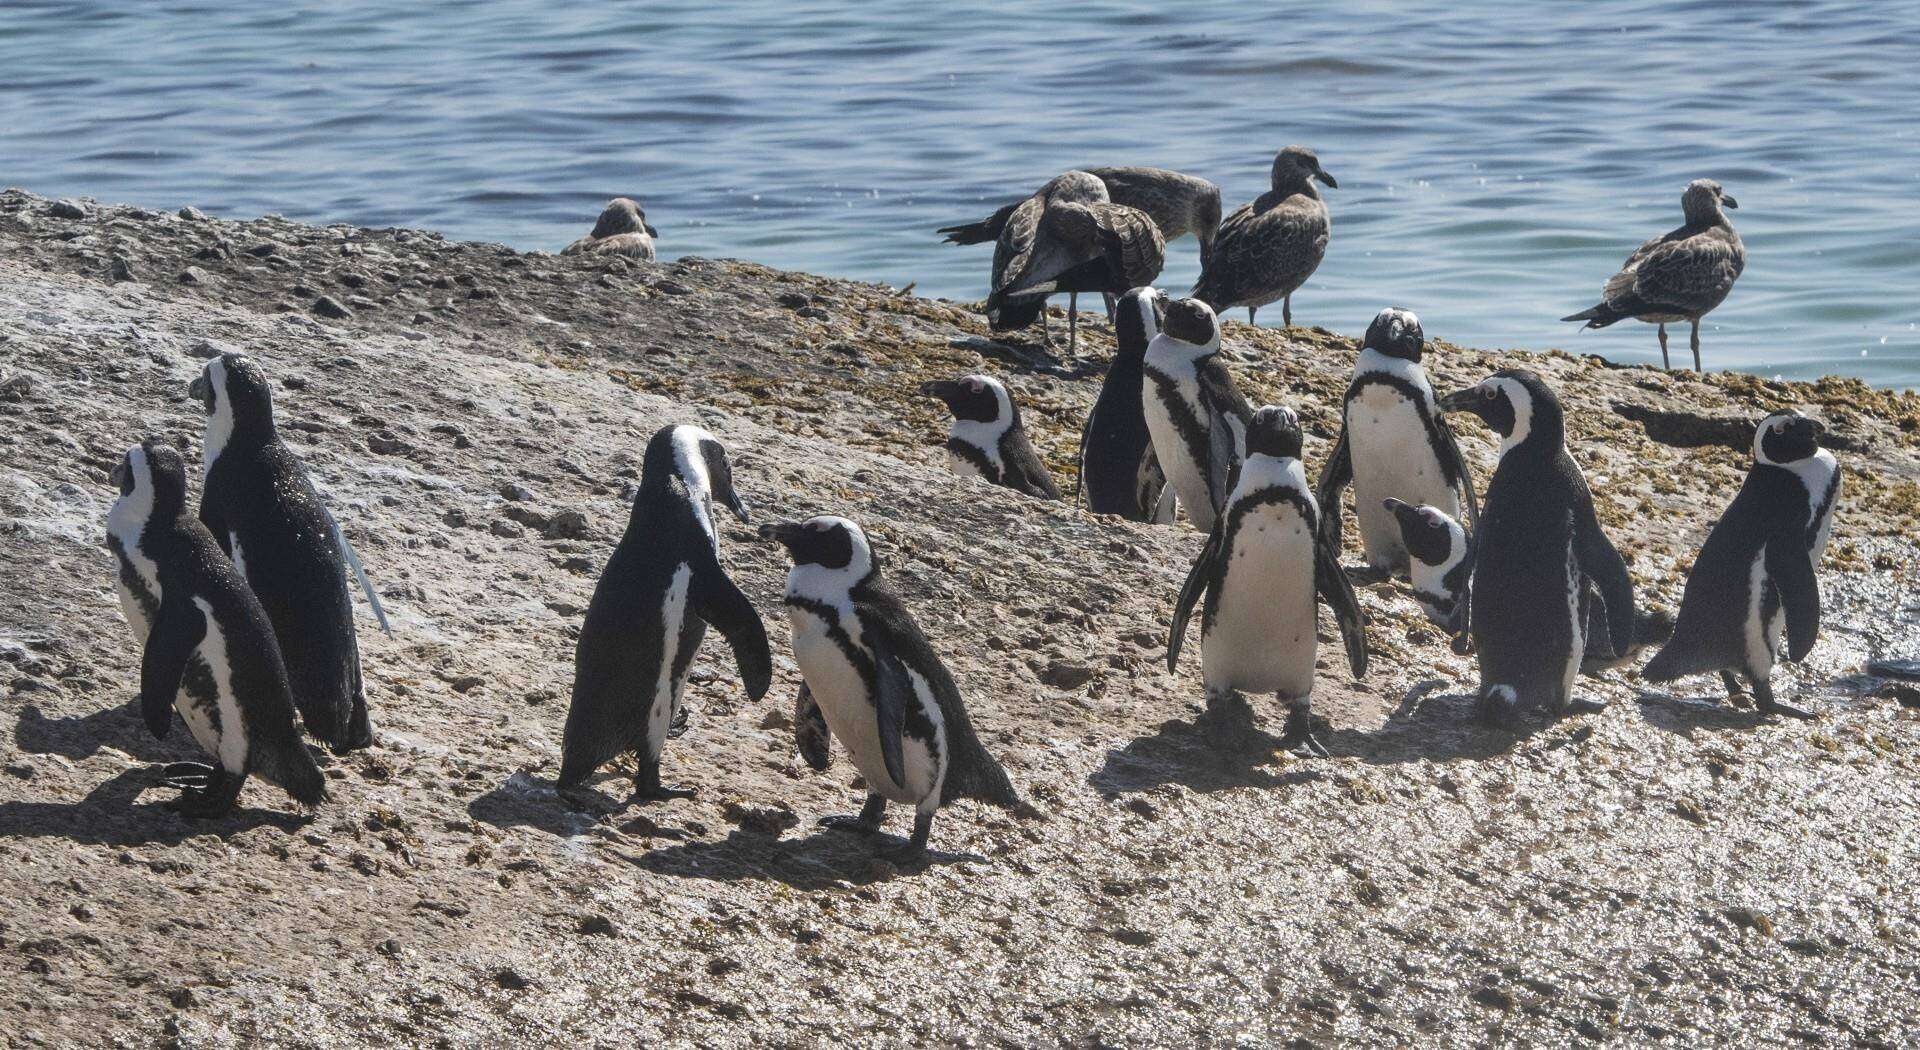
(1538, 544)
(1756, 577)
(1394, 443)
(878, 684)
(1118, 470)
(1440, 571)
(1264, 570)
(986, 439)
(661, 588)
(208, 649)
(262, 508)
(1195, 414)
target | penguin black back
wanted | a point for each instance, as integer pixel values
(1117, 466)
(263, 510)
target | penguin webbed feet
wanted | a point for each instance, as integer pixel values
(1298, 738)
(187, 776)
(647, 786)
(1228, 723)
(213, 799)
(678, 726)
(866, 822)
(916, 848)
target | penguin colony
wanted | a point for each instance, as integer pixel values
(244, 614)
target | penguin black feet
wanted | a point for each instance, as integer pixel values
(1228, 722)
(866, 823)
(359, 727)
(678, 726)
(647, 786)
(916, 847)
(1585, 705)
(1298, 737)
(215, 800)
(1763, 696)
(1499, 706)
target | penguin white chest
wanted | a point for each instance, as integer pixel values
(214, 720)
(1262, 638)
(666, 687)
(848, 707)
(1391, 457)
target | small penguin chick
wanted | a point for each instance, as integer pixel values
(986, 439)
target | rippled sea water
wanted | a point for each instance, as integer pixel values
(1496, 162)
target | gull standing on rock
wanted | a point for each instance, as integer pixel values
(1269, 247)
(1678, 276)
(622, 230)
(1069, 238)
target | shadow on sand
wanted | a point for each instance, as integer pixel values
(79, 738)
(110, 816)
(821, 860)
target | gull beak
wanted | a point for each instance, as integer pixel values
(1326, 178)
(651, 232)
(1728, 202)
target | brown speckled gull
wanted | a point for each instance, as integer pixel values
(1269, 247)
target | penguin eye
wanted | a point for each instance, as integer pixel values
(1489, 393)
(973, 385)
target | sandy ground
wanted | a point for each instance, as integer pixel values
(1671, 868)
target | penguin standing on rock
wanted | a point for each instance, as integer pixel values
(1264, 570)
(650, 611)
(263, 510)
(1755, 578)
(1394, 443)
(986, 439)
(1440, 555)
(1539, 542)
(877, 684)
(1197, 417)
(209, 649)
(1118, 470)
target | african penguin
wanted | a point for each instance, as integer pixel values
(1264, 570)
(1394, 443)
(1197, 418)
(878, 684)
(661, 588)
(986, 439)
(1118, 470)
(1756, 576)
(1440, 552)
(263, 510)
(208, 648)
(1538, 544)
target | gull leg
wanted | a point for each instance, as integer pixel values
(1664, 362)
(1696, 346)
(1286, 310)
(1073, 320)
(1250, 311)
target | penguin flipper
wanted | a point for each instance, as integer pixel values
(891, 687)
(359, 573)
(1334, 478)
(1337, 591)
(178, 629)
(718, 601)
(1603, 564)
(1227, 416)
(1192, 589)
(810, 732)
(1792, 573)
(1455, 463)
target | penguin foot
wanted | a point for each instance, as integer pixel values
(678, 726)
(1299, 739)
(1499, 707)
(1585, 706)
(658, 792)
(853, 822)
(1228, 722)
(216, 799)
(916, 848)
(186, 775)
(1775, 707)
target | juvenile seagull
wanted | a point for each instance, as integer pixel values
(1178, 204)
(1070, 238)
(622, 230)
(1269, 247)
(1678, 276)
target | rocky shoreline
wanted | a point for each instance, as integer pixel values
(1667, 869)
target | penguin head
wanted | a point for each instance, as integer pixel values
(1396, 333)
(622, 215)
(974, 398)
(153, 472)
(1191, 321)
(1274, 431)
(698, 459)
(827, 543)
(1703, 200)
(1515, 403)
(1786, 437)
(236, 396)
(1430, 535)
(1295, 167)
(1137, 318)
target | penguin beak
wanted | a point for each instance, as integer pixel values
(1326, 178)
(1468, 400)
(198, 388)
(945, 389)
(118, 475)
(1728, 202)
(1405, 513)
(739, 507)
(784, 533)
